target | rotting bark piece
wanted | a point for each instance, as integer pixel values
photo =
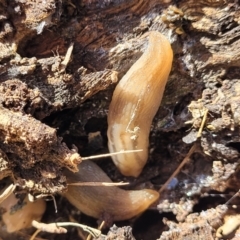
(196, 226)
(35, 153)
(98, 81)
(22, 128)
(15, 95)
(20, 20)
(223, 120)
(181, 209)
(44, 93)
(33, 140)
(4, 169)
(123, 233)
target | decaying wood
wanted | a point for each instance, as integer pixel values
(36, 92)
(34, 145)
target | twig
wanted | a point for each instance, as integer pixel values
(35, 234)
(89, 237)
(32, 198)
(184, 161)
(58, 227)
(54, 202)
(81, 233)
(234, 196)
(110, 154)
(66, 60)
(49, 227)
(101, 225)
(199, 134)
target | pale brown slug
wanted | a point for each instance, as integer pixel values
(135, 102)
(19, 215)
(106, 203)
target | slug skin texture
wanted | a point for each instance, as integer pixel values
(135, 102)
(18, 216)
(104, 202)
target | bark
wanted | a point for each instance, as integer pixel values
(59, 63)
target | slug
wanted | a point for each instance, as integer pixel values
(105, 203)
(19, 215)
(135, 102)
(231, 223)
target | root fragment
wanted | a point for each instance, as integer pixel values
(59, 228)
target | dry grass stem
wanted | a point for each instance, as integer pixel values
(199, 134)
(89, 237)
(110, 154)
(67, 58)
(7, 192)
(184, 161)
(234, 196)
(35, 234)
(107, 184)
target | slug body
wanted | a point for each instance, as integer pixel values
(18, 216)
(104, 202)
(135, 102)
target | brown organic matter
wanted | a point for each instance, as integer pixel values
(59, 64)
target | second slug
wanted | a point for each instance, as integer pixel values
(106, 203)
(135, 102)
